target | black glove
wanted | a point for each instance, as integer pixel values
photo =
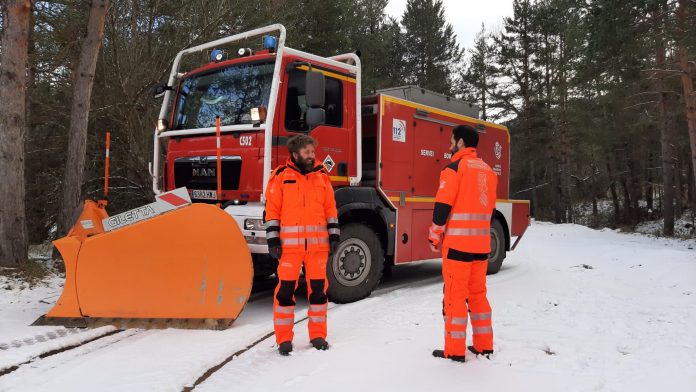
(274, 248)
(334, 240)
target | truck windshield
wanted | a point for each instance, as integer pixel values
(226, 92)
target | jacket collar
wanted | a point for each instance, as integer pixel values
(469, 152)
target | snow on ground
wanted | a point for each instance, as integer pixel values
(573, 308)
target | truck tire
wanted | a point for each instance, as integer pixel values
(497, 255)
(356, 268)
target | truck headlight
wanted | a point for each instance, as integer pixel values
(254, 224)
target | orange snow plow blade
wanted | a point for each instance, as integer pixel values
(189, 267)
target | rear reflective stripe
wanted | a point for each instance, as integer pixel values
(285, 309)
(317, 319)
(483, 330)
(470, 217)
(335, 231)
(303, 229)
(298, 241)
(468, 232)
(272, 234)
(272, 223)
(332, 220)
(480, 316)
(318, 308)
(284, 321)
(457, 334)
(459, 320)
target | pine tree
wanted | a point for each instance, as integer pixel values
(478, 78)
(515, 94)
(431, 49)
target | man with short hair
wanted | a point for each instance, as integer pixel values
(301, 226)
(461, 227)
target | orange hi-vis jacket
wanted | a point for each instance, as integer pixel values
(300, 209)
(464, 205)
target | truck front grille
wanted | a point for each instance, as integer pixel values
(200, 172)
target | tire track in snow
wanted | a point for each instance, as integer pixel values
(40, 338)
(47, 337)
(47, 361)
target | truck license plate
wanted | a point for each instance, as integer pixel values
(203, 194)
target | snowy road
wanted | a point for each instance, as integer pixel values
(574, 308)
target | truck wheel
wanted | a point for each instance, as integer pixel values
(495, 259)
(356, 268)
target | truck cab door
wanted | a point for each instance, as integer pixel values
(336, 147)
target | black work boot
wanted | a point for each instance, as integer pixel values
(285, 348)
(485, 353)
(441, 354)
(320, 343)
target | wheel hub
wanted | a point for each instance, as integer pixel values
(352, 262)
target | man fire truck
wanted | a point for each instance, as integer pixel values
(383, 151)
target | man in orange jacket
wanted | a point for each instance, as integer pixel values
(301, 225)
(463, 207)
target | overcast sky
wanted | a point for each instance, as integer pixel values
(465, 16)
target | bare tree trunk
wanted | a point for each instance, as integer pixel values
(13, 60)
(691, 190)
(687, 79)
(678, 193)
(650, 188)
(628, 210)
(665, 141)
(595, 210)
(556, 187)
(614, 193)
(83, 78)
(532, 180)
(484, 116)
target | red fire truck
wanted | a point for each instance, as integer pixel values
(384, 151)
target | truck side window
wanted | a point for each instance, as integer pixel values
(296, 106)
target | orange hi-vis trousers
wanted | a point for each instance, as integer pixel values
(465, 281)
(289, 267)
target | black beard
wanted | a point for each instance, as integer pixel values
(454, 150)
(304, 164)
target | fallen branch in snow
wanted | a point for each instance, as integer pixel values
(548, 350)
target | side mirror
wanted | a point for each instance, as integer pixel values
(159, 90)
(315, 117)
(315, 92)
